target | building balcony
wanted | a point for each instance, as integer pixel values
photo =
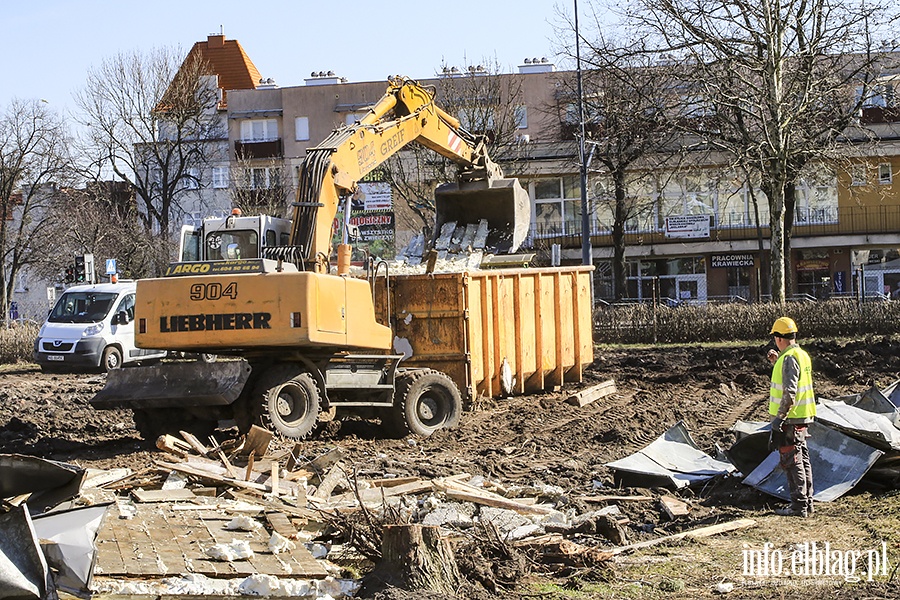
(254, 150)
(733, 227)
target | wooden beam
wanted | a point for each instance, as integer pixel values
(674, 507)
(702, 532)
(467, 493)
(194, 443)
(593, 393)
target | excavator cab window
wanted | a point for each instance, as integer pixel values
(233, 244)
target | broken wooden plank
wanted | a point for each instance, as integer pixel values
(257, 441)
(674, 507)
(209, 476)
(294, 511)
(250, 460)
(702, 532)
(317, 465)
(176, 495)
(172, 445)
(615, 498)
(194, 443)
(281, 524)
(274, 481)
(374, 495)
(591, 394)
(329, 482)
(232, 472)
(467, 493)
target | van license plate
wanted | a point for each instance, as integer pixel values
(56, 357)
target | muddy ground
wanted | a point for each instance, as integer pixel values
(542, 440)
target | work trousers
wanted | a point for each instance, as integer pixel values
(794, 459)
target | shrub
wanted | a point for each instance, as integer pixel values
(17, 342)
(646, 323)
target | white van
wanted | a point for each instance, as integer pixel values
(91, 327)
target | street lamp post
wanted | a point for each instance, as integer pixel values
(586, 249)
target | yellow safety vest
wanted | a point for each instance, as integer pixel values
(805, 400)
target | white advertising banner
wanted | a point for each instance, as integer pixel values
(687, 226)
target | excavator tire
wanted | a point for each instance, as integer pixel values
(290, 401)
(424, 401)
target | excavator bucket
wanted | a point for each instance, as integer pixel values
(186, 384)
(489, 214)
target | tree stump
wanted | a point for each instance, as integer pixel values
(416, 558)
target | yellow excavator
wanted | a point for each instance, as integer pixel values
(306, 335)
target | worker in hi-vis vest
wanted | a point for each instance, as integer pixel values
(792, 404)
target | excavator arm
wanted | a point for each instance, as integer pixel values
(405, 114)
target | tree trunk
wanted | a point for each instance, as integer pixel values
(790, 200)
(416, 558)
(620, 280)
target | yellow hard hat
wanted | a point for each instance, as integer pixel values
(783, 326)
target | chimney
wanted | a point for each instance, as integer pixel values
(537, 65)
(215, 41)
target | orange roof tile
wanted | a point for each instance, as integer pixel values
(229, 62)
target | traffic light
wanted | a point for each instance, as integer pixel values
(79, 269)
(70, 275)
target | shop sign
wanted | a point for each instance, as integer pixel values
(813, 264)
(687, 226)
(731, 260)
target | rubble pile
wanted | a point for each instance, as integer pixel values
(246, 516)
(240, 518)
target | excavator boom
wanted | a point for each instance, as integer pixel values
(406, 114)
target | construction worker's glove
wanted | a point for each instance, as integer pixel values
(776, 436)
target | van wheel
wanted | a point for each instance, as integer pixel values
(112, 359)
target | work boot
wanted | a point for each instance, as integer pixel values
(809, 508)
(791, 511)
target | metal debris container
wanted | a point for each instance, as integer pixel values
(494, 332)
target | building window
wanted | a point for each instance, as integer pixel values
(220, 177)
(194, 219)
(521, 117)
(858, 175)
(557, 205)
(192, 178)
(263, 178)
(259, 130)
(301, 129)
(884, 173)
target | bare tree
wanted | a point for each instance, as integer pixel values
(775, 82)
(102, 219)
(152, 121)
(33, 162)
(632, 112)
(487, 103)
(260, 187)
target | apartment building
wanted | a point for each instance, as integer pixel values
(701, 236)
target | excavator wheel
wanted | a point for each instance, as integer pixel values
(424, 401)
(290, 401)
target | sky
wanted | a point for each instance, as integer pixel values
(47, 47)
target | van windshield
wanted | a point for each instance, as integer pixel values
(82, 307)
